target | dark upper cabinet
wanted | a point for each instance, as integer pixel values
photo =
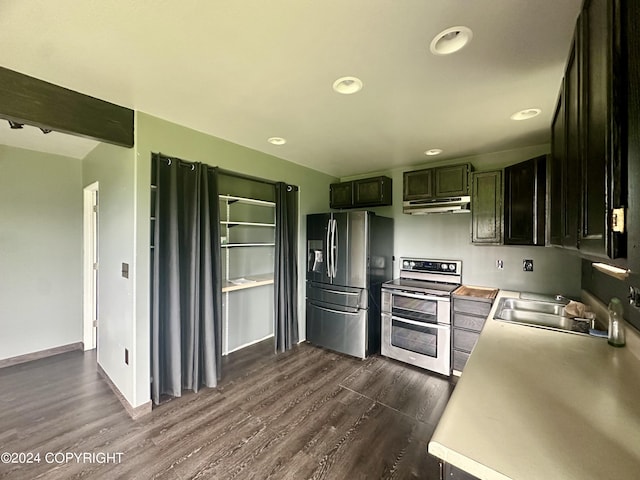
(631, 51)
(365, 192)
(440, 182)
(486, 208)
(372, 192)
(341, 195)
(601, 117)
(418, 185)
(452, 181)
(588, 163)
(524, 202)
(557, 165)
(571, 170)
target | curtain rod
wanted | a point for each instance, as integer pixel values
(244, 176)
(229, 173)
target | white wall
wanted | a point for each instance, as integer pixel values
(40, 251)
(448, 236)
(113, 168)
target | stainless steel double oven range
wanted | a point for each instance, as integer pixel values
(416, 313)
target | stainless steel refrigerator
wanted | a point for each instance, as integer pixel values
(349, 256)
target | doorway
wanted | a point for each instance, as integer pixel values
(90, 266)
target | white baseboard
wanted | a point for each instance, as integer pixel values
(134, 412)
(49, 352)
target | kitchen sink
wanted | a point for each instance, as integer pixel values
(533, 306)
(542, 314)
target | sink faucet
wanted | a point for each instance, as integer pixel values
(562, 298)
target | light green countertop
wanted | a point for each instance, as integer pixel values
(537, 404)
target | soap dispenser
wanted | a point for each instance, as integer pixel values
(616, 323)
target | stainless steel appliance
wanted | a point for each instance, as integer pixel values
(460, 204)
(416, 313)
(349, 257)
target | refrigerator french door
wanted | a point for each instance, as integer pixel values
(340, 249)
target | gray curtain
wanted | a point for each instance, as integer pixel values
(286, 267)
(186, 297)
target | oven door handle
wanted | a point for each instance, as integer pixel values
(418, 296)
(422, 324)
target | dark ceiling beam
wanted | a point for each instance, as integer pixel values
(27, 100)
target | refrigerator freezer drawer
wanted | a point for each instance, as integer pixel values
(344, 332)
(351, 297)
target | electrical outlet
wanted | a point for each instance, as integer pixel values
(527, 265)
(500, 264)
(125, 270)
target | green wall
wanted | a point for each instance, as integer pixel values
(160, 136)
(449, 236)
(40, 251)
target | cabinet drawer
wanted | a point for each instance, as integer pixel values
(471, 306)
(470, 322)
(464, 339)
(460, 359)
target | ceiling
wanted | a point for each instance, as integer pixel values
(247, 70)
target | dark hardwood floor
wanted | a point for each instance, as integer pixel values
(305, 414)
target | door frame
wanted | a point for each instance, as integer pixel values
(90, 257)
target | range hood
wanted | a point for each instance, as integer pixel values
(438, 205)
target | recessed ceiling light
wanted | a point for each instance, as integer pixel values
(433, 151)
(347, 85)
(276, 141)
(450, 40)
(526, 114)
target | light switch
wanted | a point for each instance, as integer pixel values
(125, 270)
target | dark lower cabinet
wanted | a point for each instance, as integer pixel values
(524, 202)
(449, 472)
(364, 192)
(470, 309)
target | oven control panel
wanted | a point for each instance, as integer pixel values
(452, 267)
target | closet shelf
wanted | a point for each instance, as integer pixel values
(230, 245)
(249, 224)
(251, 201)
(247, 282)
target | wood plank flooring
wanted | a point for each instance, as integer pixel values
(305, 414)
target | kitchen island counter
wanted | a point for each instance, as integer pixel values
(539, 404)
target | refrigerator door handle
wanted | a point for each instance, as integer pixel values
(340, 292)
(334, 311)
(335, 249)
(328, 247)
